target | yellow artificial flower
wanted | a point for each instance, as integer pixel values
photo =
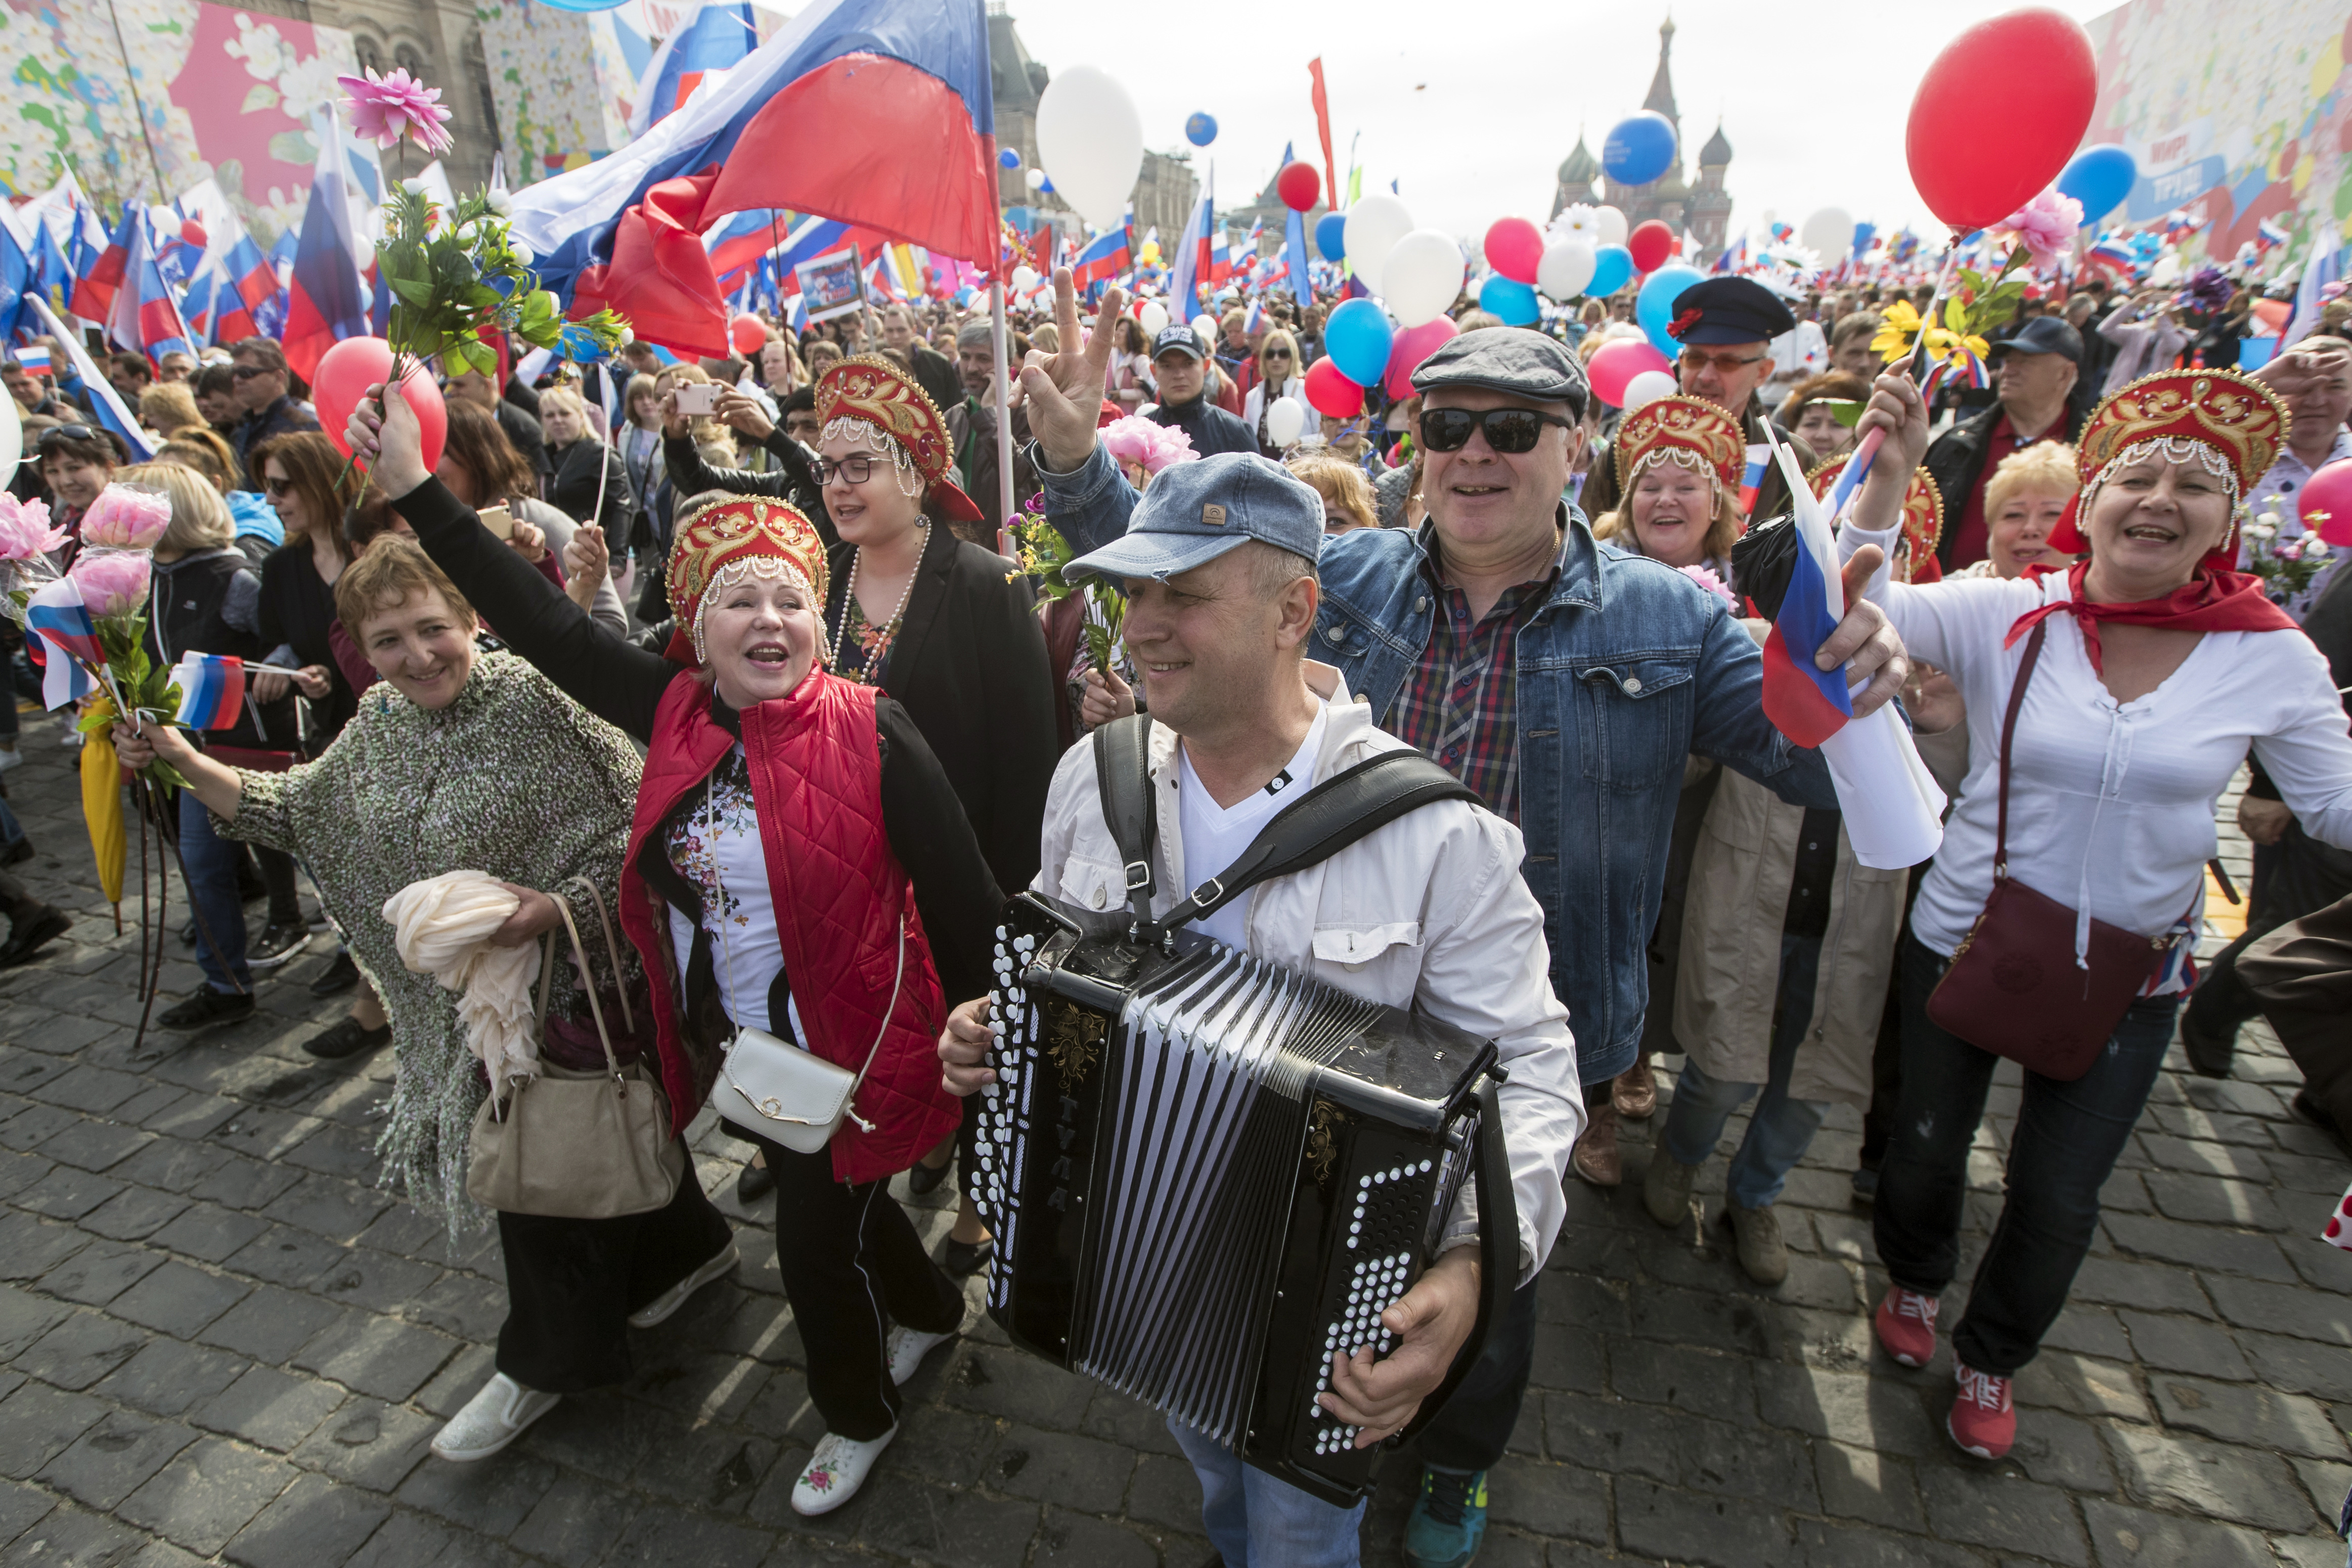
(1894, 332)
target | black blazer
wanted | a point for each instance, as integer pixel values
(969, 664)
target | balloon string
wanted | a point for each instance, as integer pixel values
(1917, 364)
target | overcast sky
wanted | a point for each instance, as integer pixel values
(1470, 107)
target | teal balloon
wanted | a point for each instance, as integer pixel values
(1358, 339)
(1613, 268)
(1514, 302)
(2100, 178)
(1200, 130)
(1330, 236)
(1653, 308)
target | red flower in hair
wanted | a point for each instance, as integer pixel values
(1684, 323)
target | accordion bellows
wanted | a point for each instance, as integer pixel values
(1207, 1175)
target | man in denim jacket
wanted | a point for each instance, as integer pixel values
(1564, 680)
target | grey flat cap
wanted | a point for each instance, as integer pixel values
(1508, 360)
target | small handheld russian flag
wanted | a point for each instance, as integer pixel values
(1806, 703)
(1751, 478)
(34, 359)
(212, 690)
(56, 611)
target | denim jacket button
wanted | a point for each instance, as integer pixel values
(1421, 605)
(1633, 685)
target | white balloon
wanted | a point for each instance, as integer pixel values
(363, 252)
(2167, 270)
(1206, 325)
(12, 438)
(1422, 277)
(1612, 225)
(1090, 140)
(1036, 178)
(1025, 279)
(1152, 318)
(1567, 267)
(1374, 226)
(1830, 231)
(1285, 419)
(1648, 387)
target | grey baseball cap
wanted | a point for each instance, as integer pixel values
(1507, 360)
(1194, 512)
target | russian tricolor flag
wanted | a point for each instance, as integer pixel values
(144, 317)
(1104, 259)
(57, 616)
(212, 690)
(715, 38)
(95, 287)
(326, 302)
(1751, 477)
(871, 112)
(1806, 703)
(80, 375)
(1191, 264)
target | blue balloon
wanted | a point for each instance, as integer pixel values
(1358, 339)
(2100, 178)
(1640, 148)
(1010, 158)
(1199, 129)
(1048, 186)
(1330, 236)
(1514, 302)
(1613, 268)
(583, 5)
(1653, 308)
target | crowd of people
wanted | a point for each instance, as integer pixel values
(769, 676)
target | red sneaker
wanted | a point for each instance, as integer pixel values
(1905, 1324)
(1981, 1422)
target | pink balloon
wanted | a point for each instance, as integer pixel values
(1332, 393)
(1614, 364)
(346, 371)
(2326, 503)
(1515, 248)
(1412, 347)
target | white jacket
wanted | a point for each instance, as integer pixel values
(1428, 911)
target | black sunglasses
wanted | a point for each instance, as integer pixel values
(246, 372)
(1512, 429)
(57, 435)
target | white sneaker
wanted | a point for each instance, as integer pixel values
(835, 1471)
(491, 1419)
(10, 757)
(906, 1347)
(664, 1305)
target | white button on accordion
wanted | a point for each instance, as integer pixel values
(1208, 1174)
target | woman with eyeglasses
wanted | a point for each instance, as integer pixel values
(1279, 375)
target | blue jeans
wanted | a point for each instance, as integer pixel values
(2067, 1139)
(11, 829)
(212, 864)
(1782, 1128)
(1258, 1521)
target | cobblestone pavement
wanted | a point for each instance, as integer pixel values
(222, 1344)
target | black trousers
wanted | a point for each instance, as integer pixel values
(1473, 1428)
(852, 1265)
(573, 1284)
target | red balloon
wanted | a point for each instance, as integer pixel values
(2327, 502)
(1515, 248)
(747, 333)
(1298, 185)
(346, 371)
(1614, 364)
(193, 233)
(1651, 243)
(1409, 348)
(1997, 114)
(1332, 393)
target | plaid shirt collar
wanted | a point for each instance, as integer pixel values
(1554, 582)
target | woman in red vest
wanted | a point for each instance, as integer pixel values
(798, 864)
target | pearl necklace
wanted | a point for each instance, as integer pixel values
(849, 597)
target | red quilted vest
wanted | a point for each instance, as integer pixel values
(840, 893)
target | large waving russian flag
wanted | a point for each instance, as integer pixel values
(871, 112)
(1806, 703)
(326, 302)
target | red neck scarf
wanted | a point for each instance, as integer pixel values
(2213, 601)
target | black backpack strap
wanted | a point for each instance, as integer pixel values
(1334, 814)
(1123, 778)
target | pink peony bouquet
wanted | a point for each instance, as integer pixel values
(113, 584)
(127, 518)
(2045, 227)
(1138, 443)
(24, 530)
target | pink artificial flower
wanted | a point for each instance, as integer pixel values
(112, 583)
(24, 530)
(127, 518)
(1706, 578)
(2045, 225)
(1151, 447)
(385, 108)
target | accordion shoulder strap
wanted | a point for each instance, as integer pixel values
(1344, 808)
(1123, 778)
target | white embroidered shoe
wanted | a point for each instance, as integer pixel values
(907, 1348)
(835, 1471)
(491, 1419)
(666, 1305)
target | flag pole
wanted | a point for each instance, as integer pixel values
(1004, 407)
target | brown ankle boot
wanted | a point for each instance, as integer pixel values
(1634, 1092)
(1596, 1159)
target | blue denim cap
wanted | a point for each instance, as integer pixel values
(1192, 513)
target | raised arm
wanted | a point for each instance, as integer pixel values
(1086, 496)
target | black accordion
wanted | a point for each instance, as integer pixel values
(1208, 1174)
